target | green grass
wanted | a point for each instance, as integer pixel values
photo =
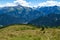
(29, 32)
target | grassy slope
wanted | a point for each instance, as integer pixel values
(28, 32)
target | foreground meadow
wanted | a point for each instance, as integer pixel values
(29, 32)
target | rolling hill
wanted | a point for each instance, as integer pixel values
(28, 32)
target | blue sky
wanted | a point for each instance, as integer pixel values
(32, 1)
(26, 2)
(4, 1)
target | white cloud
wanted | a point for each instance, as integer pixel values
(23, 3)
(29, 4)
(49, 3)
(15, 3)
(7, 4)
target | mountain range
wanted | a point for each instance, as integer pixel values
(48, 16)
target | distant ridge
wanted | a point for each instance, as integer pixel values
(26, 15)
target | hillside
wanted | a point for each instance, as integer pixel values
(28, 32)
(49, 20)
(48, 16)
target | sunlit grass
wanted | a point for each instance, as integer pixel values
(29, 32)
